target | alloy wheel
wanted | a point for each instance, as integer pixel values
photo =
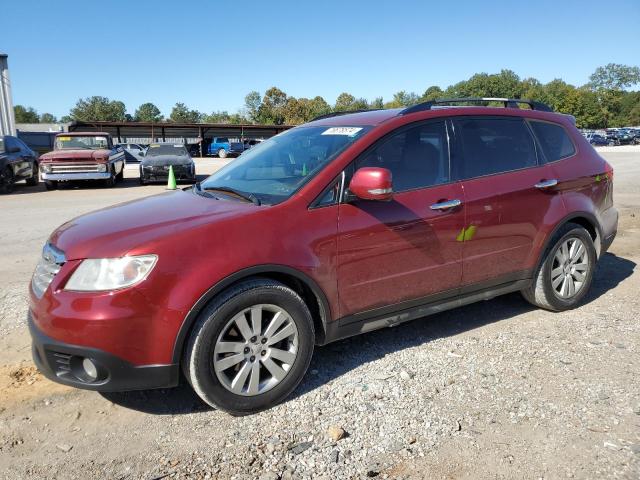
(570, 268)
(255, 350)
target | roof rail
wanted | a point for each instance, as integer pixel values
(508, 103)
(346, 112)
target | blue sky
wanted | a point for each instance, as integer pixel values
(210, 54)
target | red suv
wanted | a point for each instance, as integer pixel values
(347, 224)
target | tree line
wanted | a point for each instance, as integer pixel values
(604, 101)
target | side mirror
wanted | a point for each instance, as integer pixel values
(371, 183)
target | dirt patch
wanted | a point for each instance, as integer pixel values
(19, 383)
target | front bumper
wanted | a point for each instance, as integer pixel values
(181, 172)
(62, 363)
(75, 176)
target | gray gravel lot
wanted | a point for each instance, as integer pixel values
(493, 390)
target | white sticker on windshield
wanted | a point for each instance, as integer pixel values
(348, 131)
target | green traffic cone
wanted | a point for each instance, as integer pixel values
(171, 184)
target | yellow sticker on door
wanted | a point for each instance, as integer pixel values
(466, 234)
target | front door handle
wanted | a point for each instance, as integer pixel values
(446, 205)
(546, 184)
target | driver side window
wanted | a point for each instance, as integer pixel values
(418, 156)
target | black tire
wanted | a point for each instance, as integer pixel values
(34, 179)
(541, 292)
(7, 180)
(50, 184)
(111, 181)
(120, 175)
(199, 351)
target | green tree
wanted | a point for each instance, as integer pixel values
(25, 114)
(346, 102)
(181, 114)
(318, 106)
(48, 118)
(403, 99)
(147, 112)
(432, 93)
(272, 107)
(98, 109)
(252, 103)
(377, 103)
(614, 76)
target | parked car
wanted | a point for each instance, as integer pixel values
(341, 226)
(160, 157)
(82, 156)
(222, 147)
(625, 137)
(597, 140)
(251, 142)
(612, 137)
(17, 162)
(132, 151)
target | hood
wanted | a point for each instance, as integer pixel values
(141, 224)
(75, 155)
(159, 160)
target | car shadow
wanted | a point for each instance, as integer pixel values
(335, 360)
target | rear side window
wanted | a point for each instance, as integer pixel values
(554, 140)
(222, 140)
(492, 145)
(417, 157)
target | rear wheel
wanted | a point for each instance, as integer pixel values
(250, 347)
(566, 272)
(222, 153)
(34, 179)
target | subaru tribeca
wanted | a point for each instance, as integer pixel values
(346, 224)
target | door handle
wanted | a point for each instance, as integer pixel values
(546, 184)
(446, 205)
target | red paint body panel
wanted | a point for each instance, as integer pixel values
(362, 255)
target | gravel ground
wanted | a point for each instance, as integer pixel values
(494, 390)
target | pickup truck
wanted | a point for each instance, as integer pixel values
(82, 156)
(222, 147)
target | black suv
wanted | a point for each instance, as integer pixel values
(17, 162)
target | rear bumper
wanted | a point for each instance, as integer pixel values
(62, 363)
(75, 176)
(609, 226)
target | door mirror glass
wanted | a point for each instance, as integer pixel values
(372, 183)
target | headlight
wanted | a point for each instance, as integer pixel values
(102, 167)
(46, 168)
(102, 274)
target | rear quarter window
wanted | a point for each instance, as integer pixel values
(554, 140)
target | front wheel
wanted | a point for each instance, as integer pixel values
(111, 181)
(34, 179)
(566, 272)
(250, 347)
(222, 153)
(50, 184)
(7, 180)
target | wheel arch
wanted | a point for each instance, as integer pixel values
(298, 281)
(584, 219)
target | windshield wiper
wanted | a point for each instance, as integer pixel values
(247, 196)
(198, 190)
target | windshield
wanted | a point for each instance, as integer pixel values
(274, 169)
(158, 150)
(89, 142)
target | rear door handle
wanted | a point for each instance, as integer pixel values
(446, 205)
(546, 184)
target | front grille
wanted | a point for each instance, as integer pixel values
(74, 168)
(49, 265)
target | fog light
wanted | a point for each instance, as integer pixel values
(90, 369)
